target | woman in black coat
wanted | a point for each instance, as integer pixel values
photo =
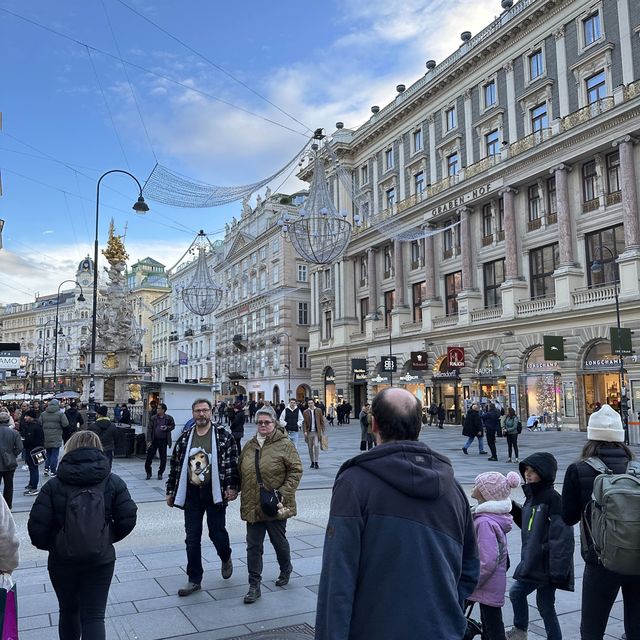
(600, 587)
(81, 583)
(237, 425)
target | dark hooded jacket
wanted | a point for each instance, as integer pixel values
(400, 553)
(547, 542)
(80, 468)
(472, 425)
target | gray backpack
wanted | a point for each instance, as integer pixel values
(614, 523)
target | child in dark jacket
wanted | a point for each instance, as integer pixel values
(546, 563)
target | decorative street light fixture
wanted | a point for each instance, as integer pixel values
(140, 206)
(597, 266)
(375, 316)
(58, 331)
(276, 340)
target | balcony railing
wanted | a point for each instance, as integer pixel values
(587, 113)
(614, 198)
(492, 313)
(632, 90)
(529, 142)
(445, 321)
(487, 240)
(482, 165)
(500, 236)
(591, 205)
(534, 224)
(526, 308)
(594, 295)
(552, 218)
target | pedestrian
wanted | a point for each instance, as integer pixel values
(117, 413)
(441, 415)
(159, 439)
(33, 440)
(106, 431)
(492, 522)
(81, 553)
(546, 561)
(252, 410)
(512, 429)
(10, 448)
(600, 586)
(347, 412)
(366, 435)
(9, 541)
(292, 421)
(472, 428)
(331, 414)
(237, 425)
(340, 413)
(491, 424)
(400, 537)
(433, 412)
(221, 411)
(53, 424)
(125, 415)
(203, 477)
(75, 420)
(280, 468)
(314, 426)
(229, 414)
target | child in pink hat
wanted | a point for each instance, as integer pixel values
(492, 522)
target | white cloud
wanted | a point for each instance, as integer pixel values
(48, 232)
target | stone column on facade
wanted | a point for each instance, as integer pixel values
(401, 176)
(374, 186)
(433, 168)
(468, 127)
(626, 36)
(629, 261)
(561, 68)
(431, 305)
(398, 274)
(469, 298)
(512, 116)
(372, 276)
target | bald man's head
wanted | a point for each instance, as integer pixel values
(397, 414)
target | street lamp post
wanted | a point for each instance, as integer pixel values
(44, 354)
(276, 340)
(598, 267)
(140, 206)
(375, 316)
(56, 330)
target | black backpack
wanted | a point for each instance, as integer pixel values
(85, 534)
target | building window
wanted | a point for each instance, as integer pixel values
(254, 322)
(451, 118)
(417, 140)
(364, 174)
(254, 284)
(263, 280)
(451, 240)
(419, 296)
(388, 261)
(364, 312)
(489, 92)
(388, 159)
(327, 325)
(391, 197)
(552, 196)
(542, 263)
(418, 182)
(364, 211)
(263, 319)
(452, 287)
(591, 29)
(254, 258)
(589, 181)
(597, 245)
(536, 64)
(263, 253)
(303, 359)
(389, 301)
(493, 278)
(276, 314)
(275, 246)
(487, 221)
(534, 202)
(452, 164)
(613, 172)
(416, 254)
(302, 273)
(327, 278)
(303, 313)
(500, 224)
(596, 87)
(539, 118)
(275, 274)
(492, 143)
(363, 270)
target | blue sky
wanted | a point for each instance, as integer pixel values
(70, 114)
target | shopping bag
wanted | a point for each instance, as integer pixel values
(8, 608)
(324, 442)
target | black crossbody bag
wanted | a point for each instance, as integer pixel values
(269, 498)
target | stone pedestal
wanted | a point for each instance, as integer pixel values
(512, 291)
(629, 266)
(119, 367)
(430, 309)
(399, 316)
(567, 279)
(468, 300)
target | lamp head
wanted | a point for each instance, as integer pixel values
(596, 266)
(140, 206)
(80, 298)
(60, 332)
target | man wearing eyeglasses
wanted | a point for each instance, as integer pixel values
(203, 477)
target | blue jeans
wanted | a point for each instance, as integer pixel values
(294, 437)
(545, 601)
(470, 442)
(34, 472)
(198, 503)
(52, 459)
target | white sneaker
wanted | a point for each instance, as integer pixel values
(516, 634)
(516, 460)
(25, 467)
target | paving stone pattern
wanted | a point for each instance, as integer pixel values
(143, 602)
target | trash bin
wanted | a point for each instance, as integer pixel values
(141, 444)
(124, 442)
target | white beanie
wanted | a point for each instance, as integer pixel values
(605, 425)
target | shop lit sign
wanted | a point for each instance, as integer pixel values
(389, 363)
(9, 355)
(603, 363)
(407, 377)
(419, 360)
(359, 368)
(485, 371)
(455, 357)
(445, 374)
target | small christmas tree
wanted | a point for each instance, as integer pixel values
(546, 395)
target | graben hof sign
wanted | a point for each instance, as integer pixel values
(466, 198)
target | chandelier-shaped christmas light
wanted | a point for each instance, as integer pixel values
(319, 233)
(202, 295)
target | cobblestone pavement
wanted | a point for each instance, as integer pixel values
(150, 566)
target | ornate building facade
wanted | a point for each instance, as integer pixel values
(517, 155)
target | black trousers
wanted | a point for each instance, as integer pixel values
(82, 593)
(161, 447)
(600, 588)
(277, 530)
(7, 486)
(492, 625)
(512, 443)
(491, 441)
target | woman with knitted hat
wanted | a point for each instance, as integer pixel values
(492, 522)
(600, 587)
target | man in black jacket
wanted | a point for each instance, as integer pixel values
(159, 439)
(33, 435)
(491, 422)
(472, 428)
(237, 425)
(75, 422)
